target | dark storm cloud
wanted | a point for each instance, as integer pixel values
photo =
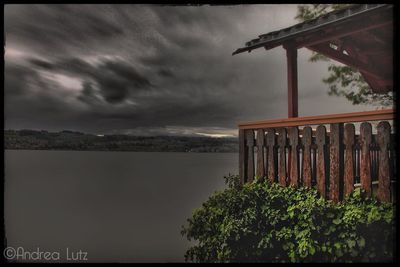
(165, 72)
(41, 64)
(128, 68)
(16, 79)
(73, 65)
(53, 29)
(115, 80)
(88, 94)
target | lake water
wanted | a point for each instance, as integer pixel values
(116, 206)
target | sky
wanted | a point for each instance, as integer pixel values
(152, 70)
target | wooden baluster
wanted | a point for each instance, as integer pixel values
(357, 142)
(392, 165)
(250, 155)
(335, 160)
(294, 166)
(242, 157)
(349, 137)
(306, 139)
(365, 164)
(321, 160)
(271, 154)
(374, 162)
(384, 176)
(260, 154)
(313, 161)
(282, 156)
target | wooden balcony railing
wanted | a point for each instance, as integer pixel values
(291, 152)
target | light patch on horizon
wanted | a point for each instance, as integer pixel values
(178, 130)
(216, 135)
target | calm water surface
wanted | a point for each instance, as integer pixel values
(116, 206)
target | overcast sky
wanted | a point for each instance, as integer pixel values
(151, 70)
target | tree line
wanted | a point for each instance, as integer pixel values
(72, 140)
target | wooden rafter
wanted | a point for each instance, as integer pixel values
(376, 37)
(379, 85)
(326, 50)
(342, 31)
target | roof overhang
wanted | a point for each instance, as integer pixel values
(360, 36)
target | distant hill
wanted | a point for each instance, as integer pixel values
(70, 140)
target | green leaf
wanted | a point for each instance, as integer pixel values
(312, 250)
(330, 215)
(351, 243)
(337, 245)
(337, 221)
(361, 242)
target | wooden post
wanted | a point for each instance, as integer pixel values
(242, 157)
(282, 156)
(260, 154)
(306, 140)
(335, 161)
(365, 164)
(321, 160)
(291, 56)
(250, 155)
(384, 177)
(271, 159)
(294, 165)
(349, 138)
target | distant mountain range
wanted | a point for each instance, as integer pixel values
(71, 140)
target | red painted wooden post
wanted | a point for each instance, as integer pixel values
(349, 137)
(306, 140)
(294, 166)
(260, 154)
(250, 155)
(242, 156)
(384, 177)
(365, 162)
(321, 160)
(282, 156)
(335, 160)
(271, 159)
(291, 56)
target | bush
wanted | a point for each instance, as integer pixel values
(265, 222)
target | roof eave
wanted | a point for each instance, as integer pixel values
(269, 44)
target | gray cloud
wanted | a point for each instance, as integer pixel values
(128, 68)
(115, 79)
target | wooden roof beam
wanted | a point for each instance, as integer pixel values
(342, 31)
(376, 37)
(326, 50)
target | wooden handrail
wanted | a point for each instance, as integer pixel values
(385, 114)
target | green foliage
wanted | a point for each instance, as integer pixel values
(342, 80)
(264, 222)
(311, 11)
(357, 90)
